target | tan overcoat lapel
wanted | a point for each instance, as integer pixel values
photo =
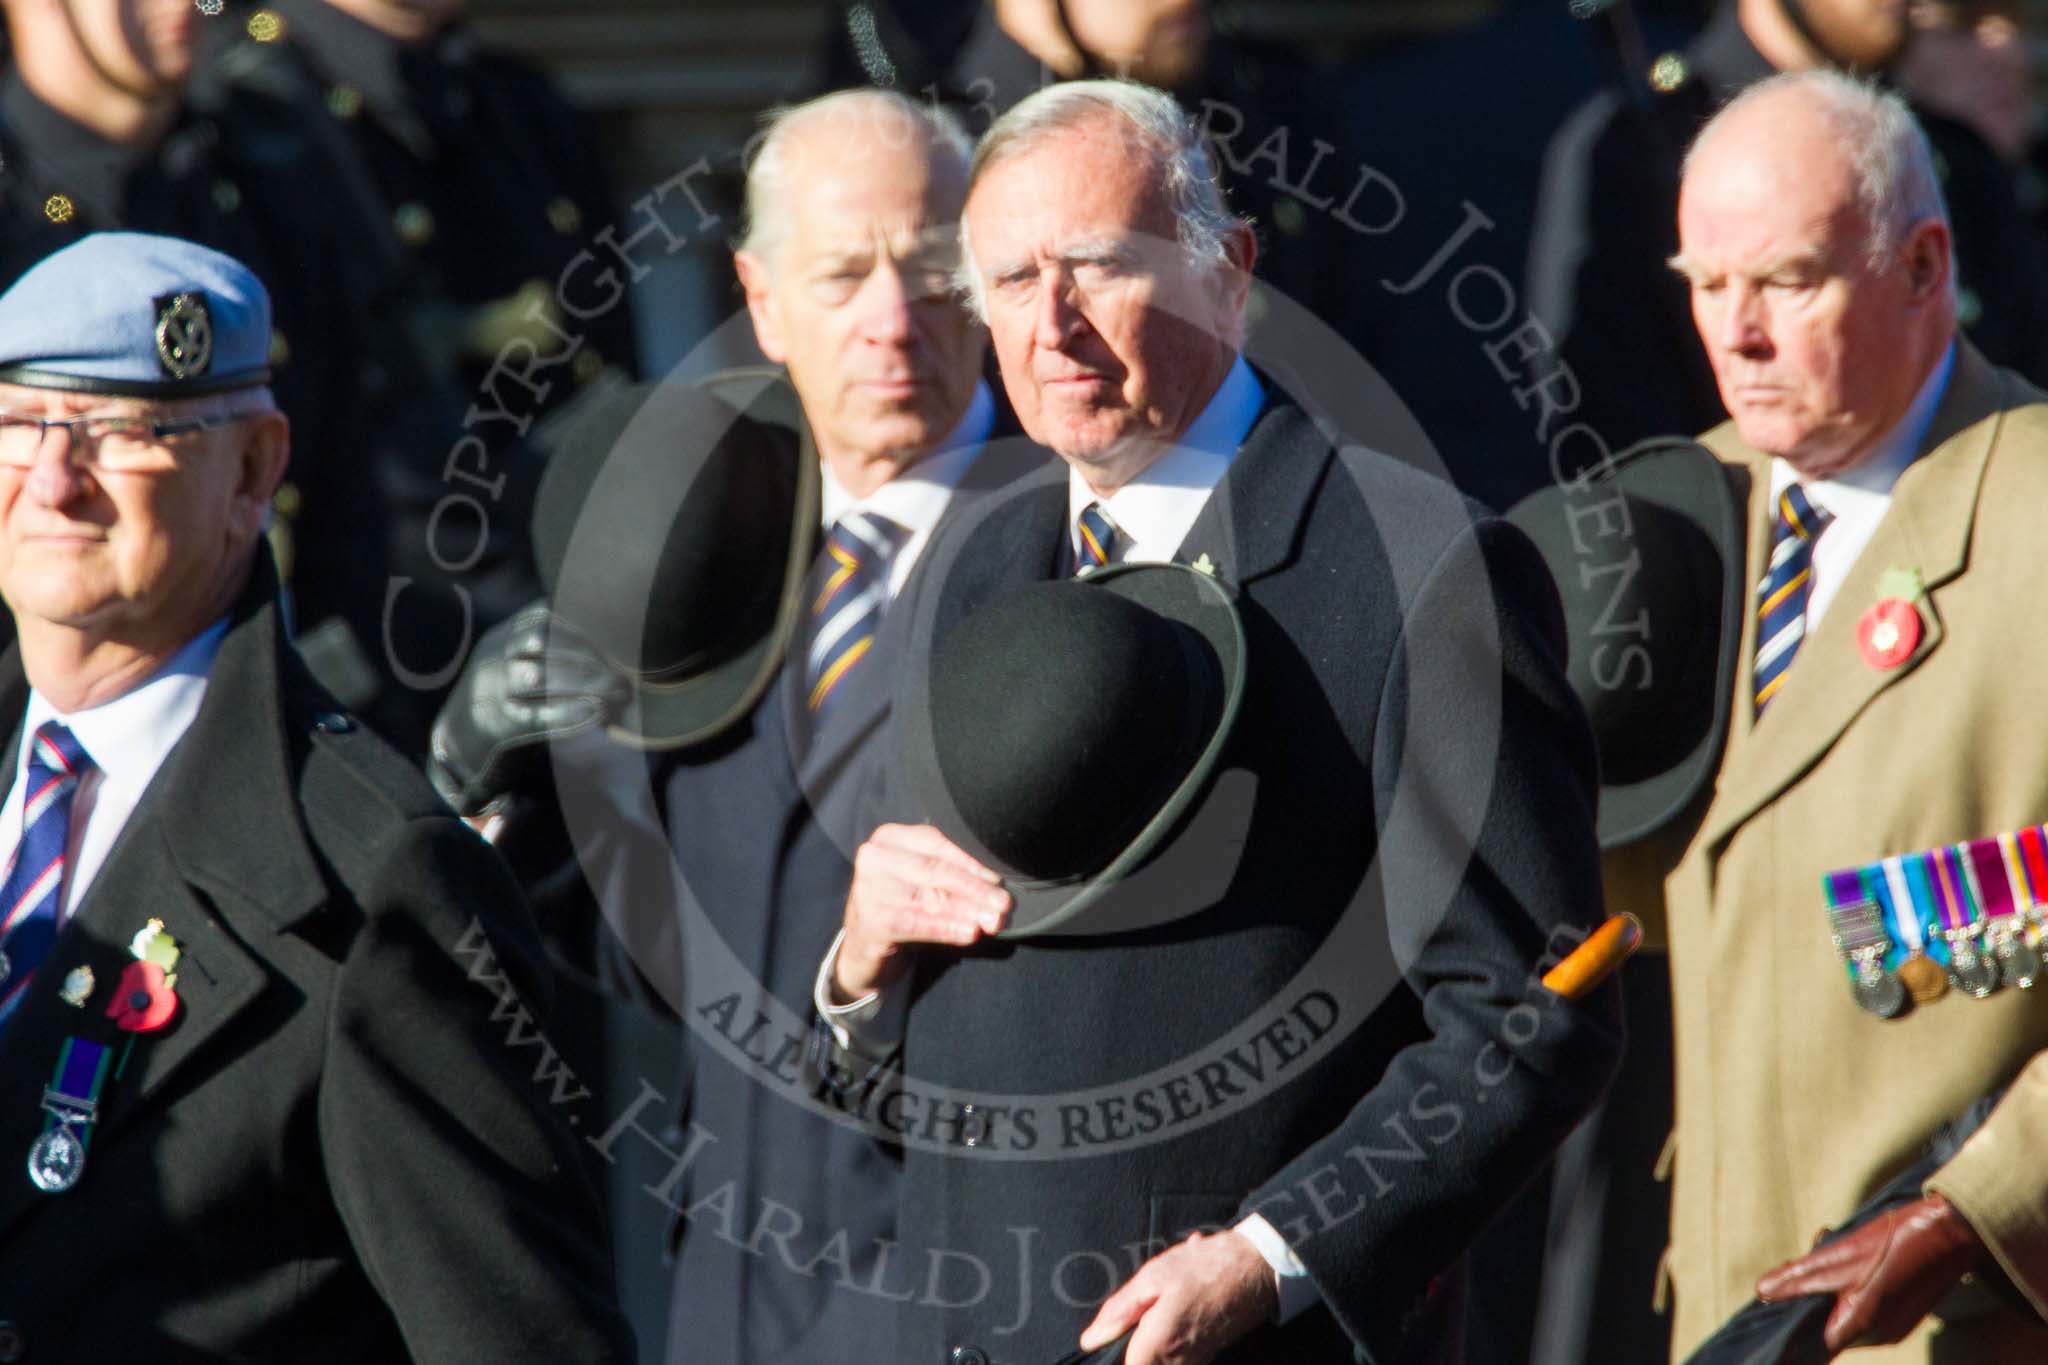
(1927, 528)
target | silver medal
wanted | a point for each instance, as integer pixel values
(1863, 941)
(57, 1160)
(2019, 963)
(1972, 971)
(1878, 990)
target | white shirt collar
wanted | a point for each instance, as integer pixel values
(1155, 511)
(1859, 498)
(129, 737)
(127, 740)
(1869, 482)
(915, 498)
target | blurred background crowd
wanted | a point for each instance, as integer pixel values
(473, 214)
(471, 211)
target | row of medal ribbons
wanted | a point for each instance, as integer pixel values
(1968, 916)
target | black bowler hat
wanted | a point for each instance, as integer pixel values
(1647, 554)
(1061, 733)
(673, 530)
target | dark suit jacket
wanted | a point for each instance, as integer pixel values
(763, 826)
(1390, 1071)
(336, 1151)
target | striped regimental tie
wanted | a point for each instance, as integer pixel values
(36, 876)
(1097, 543)
(851, 587)
(1781, 598)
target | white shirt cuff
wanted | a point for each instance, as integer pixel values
(846, 1021)
(1291, 1283)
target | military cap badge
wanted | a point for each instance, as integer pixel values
(184, 335)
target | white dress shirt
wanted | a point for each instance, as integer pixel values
(917, 498)
(127, 740)
(1858, 497)
(1153, 514)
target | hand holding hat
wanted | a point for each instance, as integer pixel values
(673, 531)
(911, 884)
(531, 680)
(1067, 734)
(1043, 798)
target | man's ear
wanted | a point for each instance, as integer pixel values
(266, 444)
(754, 279)
(1234, 281)
(1929, 260)
(1242, 248)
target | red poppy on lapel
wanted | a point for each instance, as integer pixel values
(1888, 633)
(144, 1001)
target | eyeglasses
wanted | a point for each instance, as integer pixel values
(115, 442)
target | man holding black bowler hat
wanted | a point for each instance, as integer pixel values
(1400, 718)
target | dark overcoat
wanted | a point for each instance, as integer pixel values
(1344, 1030)
(338, 1150)
(763, 825)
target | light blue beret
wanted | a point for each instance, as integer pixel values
(126, 312)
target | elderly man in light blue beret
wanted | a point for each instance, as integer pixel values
(268, 1011)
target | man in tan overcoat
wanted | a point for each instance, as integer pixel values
(1897, 484)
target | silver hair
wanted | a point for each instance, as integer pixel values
(763, 224)
(1203, 222)
(1896, 184)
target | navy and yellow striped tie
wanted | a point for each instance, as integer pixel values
(851, 586)
(1096, 545)
(1781, 598)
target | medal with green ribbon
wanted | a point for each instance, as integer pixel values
(1968, 966)
(1864, 942)
(57, 1160)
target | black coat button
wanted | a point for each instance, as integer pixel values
(967, 1355)
(13, 1346)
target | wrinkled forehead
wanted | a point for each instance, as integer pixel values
(904, 231)
(874, 195)
(1078, 188)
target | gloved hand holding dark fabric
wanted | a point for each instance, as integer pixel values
(1792, 1321)
(1886, 1275)
(531, 680)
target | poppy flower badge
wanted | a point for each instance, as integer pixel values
(146, 998)
(1888, 633)
(144, 1001)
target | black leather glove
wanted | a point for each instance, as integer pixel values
(531, 680)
